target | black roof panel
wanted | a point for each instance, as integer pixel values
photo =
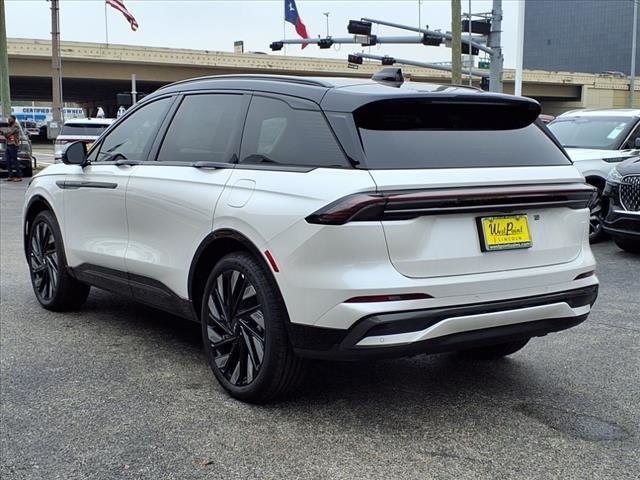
(336, 93)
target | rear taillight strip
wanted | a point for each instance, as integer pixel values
(403, 205)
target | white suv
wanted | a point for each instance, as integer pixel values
(301, 218)
(596, 141)
(85, 130)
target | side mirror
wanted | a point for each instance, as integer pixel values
(636, 143)
(75, 154)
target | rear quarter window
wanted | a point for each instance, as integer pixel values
(417, 135)
(277, 134)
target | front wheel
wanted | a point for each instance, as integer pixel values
(495, 351)
(244, 331)
(55, 289)
(597, 212)
(628, 244)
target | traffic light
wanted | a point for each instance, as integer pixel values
(431, 40)
(388, 60)
(276, 46)
(465, 49)
(325, 43)
(357, 59)
(359, 27)
(483, 27)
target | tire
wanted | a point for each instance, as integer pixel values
(596, 218)
(628, 244)
(492, 352)
(55, 289)
(244, 331)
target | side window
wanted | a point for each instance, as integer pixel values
(631, 141)
(131, 139)
(204, 129)
(93, 156)
(275, 133)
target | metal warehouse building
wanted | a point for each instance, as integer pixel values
(591, 36)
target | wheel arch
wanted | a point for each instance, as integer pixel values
(215, 246)
(596, 181)
(36, 204)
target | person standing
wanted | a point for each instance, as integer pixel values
(12, 134)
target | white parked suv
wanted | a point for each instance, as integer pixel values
(596, 141)
(85, 130)
(301, 218)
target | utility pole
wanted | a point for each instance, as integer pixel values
(632, 79)
(470, 56)
(456, 43)
(56, 67)
(497, 59)
(5, 92)
(519, 48)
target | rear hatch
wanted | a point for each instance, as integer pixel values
(79, 132)
(471, 187)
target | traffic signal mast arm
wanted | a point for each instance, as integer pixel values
(393, 60)
(431, 33)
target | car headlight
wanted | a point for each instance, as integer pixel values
(614, 176)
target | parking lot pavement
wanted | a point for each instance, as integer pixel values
(118, 390)
(43, 153)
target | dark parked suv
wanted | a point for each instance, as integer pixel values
(622, 221)
(24, 151)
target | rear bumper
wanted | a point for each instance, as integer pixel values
(446, 329)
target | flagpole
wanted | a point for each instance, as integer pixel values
(106, 25)
(284, 36)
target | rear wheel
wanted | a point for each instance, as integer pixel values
(244, 331)
(628, 244)
(55, 289)
(495, 351)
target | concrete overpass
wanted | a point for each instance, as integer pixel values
(93, 73)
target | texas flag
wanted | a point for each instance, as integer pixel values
(291, 15)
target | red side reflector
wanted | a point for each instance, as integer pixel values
(585, 275)
(272, 262)
(389, 298)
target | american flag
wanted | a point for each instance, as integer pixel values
(119, 5)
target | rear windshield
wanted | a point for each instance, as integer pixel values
(415, 135)
(90, 129)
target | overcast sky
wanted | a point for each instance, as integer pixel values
(216, 24)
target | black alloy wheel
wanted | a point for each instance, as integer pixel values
(235, 327)
(43, 261)
(54, 287)
(596, 218)
(244, 330)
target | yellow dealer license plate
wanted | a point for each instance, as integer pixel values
(504, 233)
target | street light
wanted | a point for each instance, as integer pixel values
(326, 14)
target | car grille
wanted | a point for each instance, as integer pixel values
(630, 193)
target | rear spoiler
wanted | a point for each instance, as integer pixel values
(445, 112)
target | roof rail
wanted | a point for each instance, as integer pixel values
(271, 78)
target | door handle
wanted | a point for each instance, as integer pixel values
(213, 165)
